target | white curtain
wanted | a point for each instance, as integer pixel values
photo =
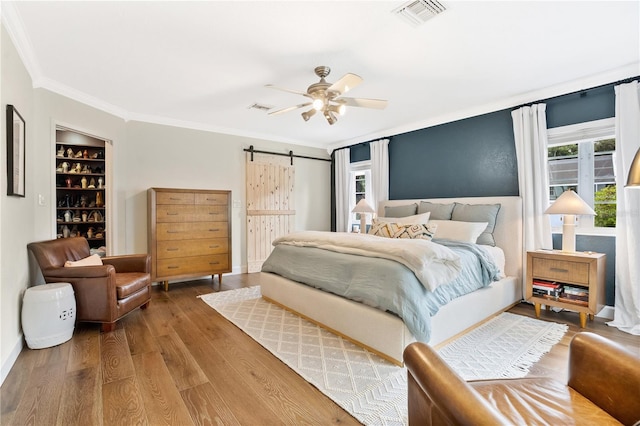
(343, 186)
(530, 131)
(379, 172)
(627, 304)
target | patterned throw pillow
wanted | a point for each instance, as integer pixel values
(422, 231)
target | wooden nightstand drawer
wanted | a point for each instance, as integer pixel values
(561, 270)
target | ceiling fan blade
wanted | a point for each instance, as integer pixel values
(271, 86)
(360, 102)
(346, 83)
(287, 109)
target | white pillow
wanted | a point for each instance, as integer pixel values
(416, 219)
(467, 232)
(93, 260)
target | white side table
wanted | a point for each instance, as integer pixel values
(48, 315)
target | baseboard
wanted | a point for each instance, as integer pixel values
(607, 312)
(13, 356)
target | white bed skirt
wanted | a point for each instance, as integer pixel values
(378, 331)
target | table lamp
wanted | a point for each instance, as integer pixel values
(634, 171)
(363, 207)
(569, 204)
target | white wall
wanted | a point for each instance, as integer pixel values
(16, 213)
(144, 155)
(172, 157)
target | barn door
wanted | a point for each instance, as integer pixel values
(270, 204)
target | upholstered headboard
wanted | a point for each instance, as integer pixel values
(508, 230)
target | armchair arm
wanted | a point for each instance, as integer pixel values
(129, 262)
(94, 288)
(76, 272)
(438, 393)
(607, 374)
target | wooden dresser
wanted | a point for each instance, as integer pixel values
(189, 233)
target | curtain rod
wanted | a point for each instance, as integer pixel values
(290, 154)
(615, 83)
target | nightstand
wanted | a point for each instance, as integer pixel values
(572, 281)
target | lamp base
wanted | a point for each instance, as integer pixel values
(569, 233)
(363, 223)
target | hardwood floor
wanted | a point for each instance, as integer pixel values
(180, 363)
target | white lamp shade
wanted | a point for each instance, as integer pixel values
(570, 203)
(363, 207)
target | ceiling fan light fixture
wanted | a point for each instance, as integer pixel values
(308, 114)
(331, 119)
(338, 109)
(318, 104)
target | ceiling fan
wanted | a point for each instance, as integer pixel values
(327, 98)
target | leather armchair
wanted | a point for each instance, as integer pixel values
(103, 293)
(603, 388)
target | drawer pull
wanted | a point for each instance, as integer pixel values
(172, 214)
(172, 249)
(214, 246)
(173, 232)
(174, 199)
(559, 270)
(214, 213)
(214, 263)
(173, 267)
(214, 230)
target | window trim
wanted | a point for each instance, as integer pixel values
(581, 133)
(356, 168)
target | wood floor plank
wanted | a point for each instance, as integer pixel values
(162, 401)
(122, 403)
(207, 406)
(81, 402)
(85, 348)
(116, 356)
(184, 369)
(41, 400)
(139, 338)
(160, 313)
(241, 398)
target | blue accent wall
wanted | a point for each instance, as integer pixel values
(360, 152)
(471, 157)
(588, 105)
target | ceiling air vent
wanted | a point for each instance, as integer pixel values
(418, 12)
(260, 107)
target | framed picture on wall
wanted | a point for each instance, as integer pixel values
(15, 152)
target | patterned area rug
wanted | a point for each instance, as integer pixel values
(371, 389)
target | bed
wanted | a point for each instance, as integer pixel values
(386, 334)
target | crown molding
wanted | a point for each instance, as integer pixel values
(15, 28)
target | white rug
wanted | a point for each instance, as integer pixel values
(373, 390)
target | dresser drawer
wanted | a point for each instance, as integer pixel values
(204, 265)
(211, 199)
(175, 197)
(186, 248)
(191, 230)
(561, 270)
(191, 213)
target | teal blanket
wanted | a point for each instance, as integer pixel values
(381, 283)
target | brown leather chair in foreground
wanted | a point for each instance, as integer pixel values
(103, 293)
(603, 389)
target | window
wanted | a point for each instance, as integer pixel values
(360, 187)
(581, 157)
